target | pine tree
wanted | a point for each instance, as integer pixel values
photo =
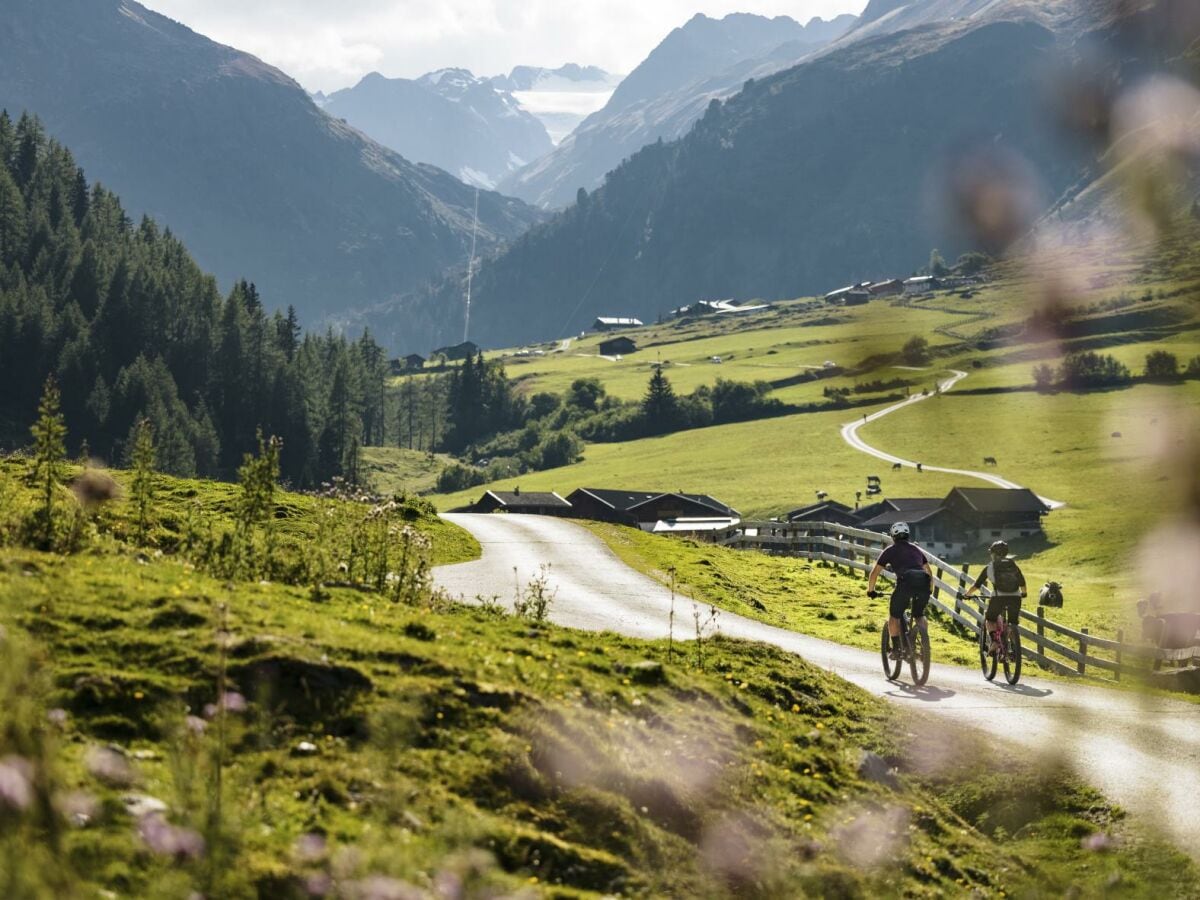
(49, 456)
(143, 474)
(660, 406)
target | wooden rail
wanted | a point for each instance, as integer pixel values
(1074, 650)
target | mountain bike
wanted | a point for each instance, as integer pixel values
(914, 649)
(1006, 651)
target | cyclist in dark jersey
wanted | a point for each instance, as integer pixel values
(914, 580)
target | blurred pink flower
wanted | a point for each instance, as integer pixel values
(109, 766)
(166, 839)
(16, 782)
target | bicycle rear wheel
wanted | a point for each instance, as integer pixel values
(987, 661)
(891, 667)
(918, 661)
(1012, 656)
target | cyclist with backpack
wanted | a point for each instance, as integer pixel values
(1008, 589)
(914, 581)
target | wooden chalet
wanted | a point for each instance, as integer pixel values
(617, 346)
(534, 503)
(645, 509)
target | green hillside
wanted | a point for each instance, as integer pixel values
(1131, 302)
(171, 727)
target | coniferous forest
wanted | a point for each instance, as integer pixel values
(130, 328)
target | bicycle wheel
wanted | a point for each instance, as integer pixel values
(891, 667)
(918, 660)
(987, 661)
(1012, 656)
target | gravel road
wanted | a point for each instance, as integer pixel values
(850, 436)
(1143, 752)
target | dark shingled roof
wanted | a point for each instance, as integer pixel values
(621, 500)
(912, 517)
(512, 499)
(625, 501)
(807, 512)
(1000, 500)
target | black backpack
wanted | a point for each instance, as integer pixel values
(1005, 577)
(1051, 594)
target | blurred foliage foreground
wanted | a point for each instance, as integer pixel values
(214, 690)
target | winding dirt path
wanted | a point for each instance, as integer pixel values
(851, 437)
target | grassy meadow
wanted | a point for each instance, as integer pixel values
(169, 731)
(397, 470)
(1126, 304)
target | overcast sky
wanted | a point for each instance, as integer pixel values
(327, 45)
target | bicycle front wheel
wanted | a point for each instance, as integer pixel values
(1012, 655)
(987, 661)
(918, 662)
(891, 667)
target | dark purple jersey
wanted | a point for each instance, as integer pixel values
(902, 557)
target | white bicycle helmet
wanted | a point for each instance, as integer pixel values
(900, 530)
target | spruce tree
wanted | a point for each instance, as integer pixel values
(660, 406)
(49, 456)
(143, 475)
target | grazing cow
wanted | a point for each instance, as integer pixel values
(1116, 434)
(821, 495)
(896, 467)
(920, 468)
(989, 461)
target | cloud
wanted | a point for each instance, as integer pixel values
(327, 46)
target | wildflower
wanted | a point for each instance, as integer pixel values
(109, 766)
(77, 807)
(166, 839)
(310, 847)
(318, 885)
(16, 782)
(138, 695)
(379, 887)
(195, 724)
(795, 707)
(57, 717)
(1098, 843)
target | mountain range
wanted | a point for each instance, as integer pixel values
(824, 173)
(237, 159)
(561, 98)
(703, 59)
(448, 118)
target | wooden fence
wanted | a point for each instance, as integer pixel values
(1051, 645)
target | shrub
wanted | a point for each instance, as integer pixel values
(1043, 378)
(1193, 368)
(560, 449)
(586, 394)
(1162, 366)
(457, 477)
(1089, 369)
(915, 351)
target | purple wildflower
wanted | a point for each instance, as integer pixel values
(16, 782)
(318, 885)
(195, 724)
(310, 848)
(1100, 842)
(166, 839)
(109, 766)
(78, 807)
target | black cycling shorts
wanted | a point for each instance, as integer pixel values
(913, 588)
(1008, 604)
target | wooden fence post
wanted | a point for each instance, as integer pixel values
(937, 588)
(1083, 651)
(1041, 632)
(1120, 641)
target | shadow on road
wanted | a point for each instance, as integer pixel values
(1025, 690)
(926, 694)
